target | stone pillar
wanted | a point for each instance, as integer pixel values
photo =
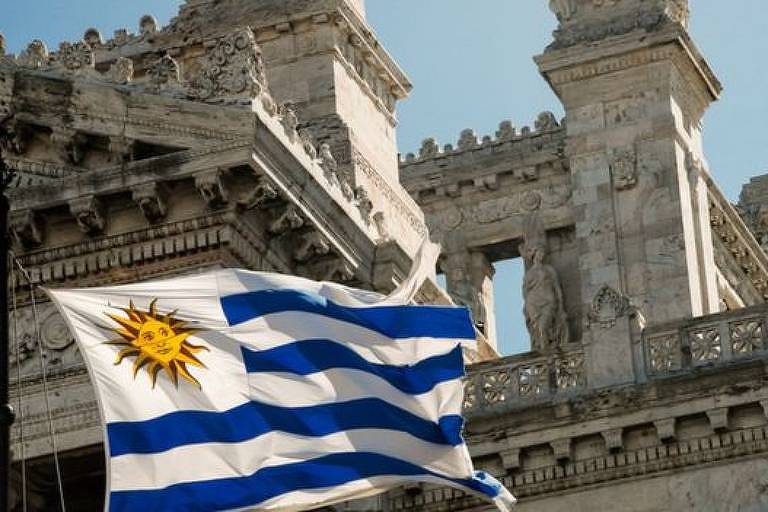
(469, 280)
(634, 89)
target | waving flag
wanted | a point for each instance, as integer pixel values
(235, 390)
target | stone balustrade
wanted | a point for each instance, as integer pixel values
(518, 379)
(713, 340)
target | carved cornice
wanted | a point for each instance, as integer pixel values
(625, 52)
(111, 179)
(654, 460)
(494, 208)
(105, 254)
(729, 230)
(401, 202)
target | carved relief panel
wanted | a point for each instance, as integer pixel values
(46, 332)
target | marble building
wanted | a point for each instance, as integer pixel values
(261, 134)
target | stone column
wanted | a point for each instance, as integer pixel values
(634, 89)
(469, 280)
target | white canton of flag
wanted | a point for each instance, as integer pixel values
(235, 390)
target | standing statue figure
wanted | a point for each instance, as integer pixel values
(463, 294)
(545, 314)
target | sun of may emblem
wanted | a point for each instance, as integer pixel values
(158, 342)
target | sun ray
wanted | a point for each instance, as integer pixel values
(154, 369)
(185, 373)
(130, 351)
(139, 362)
(159, 342)
(190, 359)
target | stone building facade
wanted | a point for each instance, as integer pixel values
(261, 134)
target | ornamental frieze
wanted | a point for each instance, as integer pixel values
(497, 209)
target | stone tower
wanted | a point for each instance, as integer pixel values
(323, 58)
(634, 88)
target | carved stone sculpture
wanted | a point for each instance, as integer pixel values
(429, 148)
(234, 67)
(92, 37)
(563, 9)
(88, 213)
(25, 228)
(76, 58)
(546, 121)
(262, 194)
(363, 203)
(211, 188)
(121, 71)
(289, 220)
(289, 120)
(163, 74)
(506, 131)
(328, 163)
(120, 37)
(608, 306)
(147, 25)
(150, 200)
(69, 144)
(379, 220)
(464, 274)
(308, 143)
(544, 308)
(312, 244)
(623, 167)
(467, 139)
(35, 56)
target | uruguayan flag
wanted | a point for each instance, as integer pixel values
(236, 390)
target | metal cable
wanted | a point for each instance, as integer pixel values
(20, 392)
(43, 369)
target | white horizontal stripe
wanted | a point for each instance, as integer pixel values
(237, 281)
(297, 501)
(341, 385)
(276, 329)
(200, 462)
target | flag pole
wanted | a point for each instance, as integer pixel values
(6, 411)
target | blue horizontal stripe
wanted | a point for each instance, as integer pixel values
(391, 321)
(253, 419)
(271, 482)
(312, 356)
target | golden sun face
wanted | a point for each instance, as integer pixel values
(158, 342)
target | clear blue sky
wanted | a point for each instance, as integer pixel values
(471, 66)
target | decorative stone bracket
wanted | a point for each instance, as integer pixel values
(665, 429)
(290, 219)
(510, 459)
(613, 439)
(211, 188)
(150, 200)
(608, 306)
(89, 214)
(262, 194)
(718, 418)
(69, 144)
(25, 228)
(561, 449)
(312, 245)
